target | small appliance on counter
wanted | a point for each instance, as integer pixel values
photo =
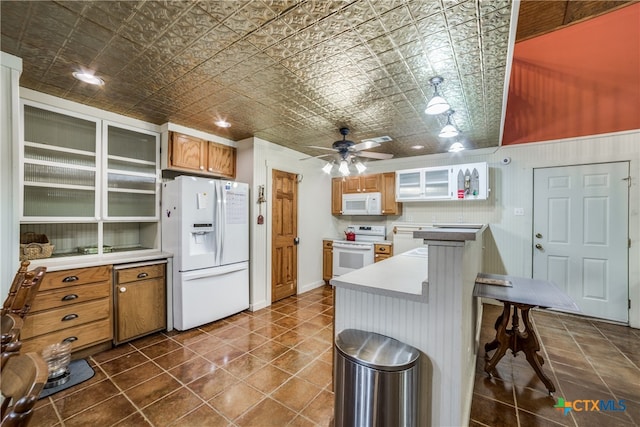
(357, 250)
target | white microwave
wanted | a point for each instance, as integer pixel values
(362, 204)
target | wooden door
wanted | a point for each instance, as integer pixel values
(580, 235)
(388, 186)
(188, 152)
(221, 160)
(141, 308)
(336, 196)
(350, 184)
(284, 232)
(327, 260)
(370, 183)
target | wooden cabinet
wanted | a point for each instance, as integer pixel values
(189, 153)
(327, 260)
(382, 251)
(140, 300)
(388, 186)
(384, 183)
(361, 184)
(336, 196)
(71, 305)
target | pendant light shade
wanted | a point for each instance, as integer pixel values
(327, 168)
(449, 130)
(360, 167)
(344, 168)
(455, 147)
(437, 104)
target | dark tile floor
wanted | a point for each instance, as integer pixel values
(273, 368)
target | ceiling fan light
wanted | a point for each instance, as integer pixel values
(344, 168)
(437, 105)
(360, 167)
(88, 78)
(448, 131)
(455, 147)
(327, 168)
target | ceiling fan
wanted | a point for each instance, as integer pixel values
(349, 150)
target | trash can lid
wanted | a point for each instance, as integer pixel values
(375, 350)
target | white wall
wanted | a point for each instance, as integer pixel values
(509, 247)
(10, 69)
(314, 214)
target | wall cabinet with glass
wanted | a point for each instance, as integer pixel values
(88, 185)
(459, 182)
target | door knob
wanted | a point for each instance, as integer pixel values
(539, 236)
(538, 246)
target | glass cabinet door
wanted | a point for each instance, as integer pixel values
(436, 183)
(408, 185)
(59, 166)
(131, 173)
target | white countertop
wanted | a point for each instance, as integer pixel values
(401, 276)
(64, 263)
(451, 232)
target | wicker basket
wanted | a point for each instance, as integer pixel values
(35, 246)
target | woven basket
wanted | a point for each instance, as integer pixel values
(35, 246)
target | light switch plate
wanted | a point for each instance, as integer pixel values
(518, 211)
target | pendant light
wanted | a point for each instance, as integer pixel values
(449, 130)
(327, 168)
(455, 147)
(360, 167)
(437, 104)
(344, 168)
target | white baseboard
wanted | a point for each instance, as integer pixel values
(310, 286)
(258, 306)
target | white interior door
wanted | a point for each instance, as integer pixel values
(580, 235)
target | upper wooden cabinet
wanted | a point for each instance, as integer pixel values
(388, 190)
(384, 183)
(194, 154)
(361, 184)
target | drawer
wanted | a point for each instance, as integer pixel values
(81, 336)
(77, 276)
(140, 273)
(327, 244)
(71, 295)
(66, 317)
(383, 249)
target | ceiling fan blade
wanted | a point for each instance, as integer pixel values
(372, 155)
(321, 148)
(364, 146)
(317, 157)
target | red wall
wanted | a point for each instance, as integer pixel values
(580, 80)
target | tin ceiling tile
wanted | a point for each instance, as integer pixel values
(279, 69)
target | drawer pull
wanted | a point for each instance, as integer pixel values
(142, 275)
(70, 279)
(69, 317)
(70, 339)
(69, 297)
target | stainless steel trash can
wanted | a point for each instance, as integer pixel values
(376, 381)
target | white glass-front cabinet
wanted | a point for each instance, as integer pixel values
(458, 182)
(422, 184)
(90, 186)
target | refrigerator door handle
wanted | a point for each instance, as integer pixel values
(215, 271)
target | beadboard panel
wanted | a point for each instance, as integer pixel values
(443, 329)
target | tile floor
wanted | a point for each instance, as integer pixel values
(273, 368)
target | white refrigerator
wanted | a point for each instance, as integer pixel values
(205, 224)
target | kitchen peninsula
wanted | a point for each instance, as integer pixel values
(423, 298)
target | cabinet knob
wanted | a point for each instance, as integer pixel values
(210, 169)
(201, 168)
(123, 289)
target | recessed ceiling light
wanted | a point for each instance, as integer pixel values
(417, 147)
(88, 78)
(223, 123)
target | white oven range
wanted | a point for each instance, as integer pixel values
(349, 255)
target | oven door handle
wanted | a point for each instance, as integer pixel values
(353, 247)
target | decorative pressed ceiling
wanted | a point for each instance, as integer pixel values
(289, 72)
